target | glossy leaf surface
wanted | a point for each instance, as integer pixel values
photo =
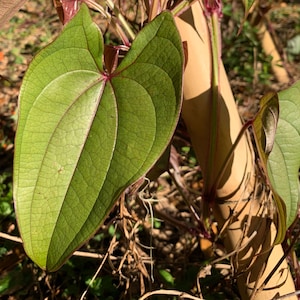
(84, 135)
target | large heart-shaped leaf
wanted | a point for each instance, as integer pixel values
(264, 129)
(284, 160)
(84, 134)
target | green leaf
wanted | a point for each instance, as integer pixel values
(265, 124)
(264, 129)
(167, 276)
(248, 4)
(284, 161)
(84, 135)
(14, 281)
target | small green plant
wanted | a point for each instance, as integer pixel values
(103, 287)
(6, 197)
(252, 64)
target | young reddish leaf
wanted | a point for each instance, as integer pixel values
(66, 9)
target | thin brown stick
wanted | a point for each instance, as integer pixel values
(17, 239)
(11, 237)
(110, 249)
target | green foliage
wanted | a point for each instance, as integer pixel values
(75, 276)
(94, 132)
(248, 4)
(188, 154)
(6, 207)
(293, 45)
(265, 125)
(251, 65)
(278, 146)
(264, 128)
(284, 161)
(167, 277)
(103, 287)
(113, 232)
(16, 280)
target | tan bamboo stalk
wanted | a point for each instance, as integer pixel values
(238, 199)
(269, 47)
(258, 19)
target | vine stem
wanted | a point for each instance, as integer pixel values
(17, 239)
(94, 5)
(121, 19)
(213, 13)
(181, 7)
(119, 16)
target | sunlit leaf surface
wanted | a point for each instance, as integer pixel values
(85, 134)
(284, 161)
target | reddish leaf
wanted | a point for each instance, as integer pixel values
(66, 9)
